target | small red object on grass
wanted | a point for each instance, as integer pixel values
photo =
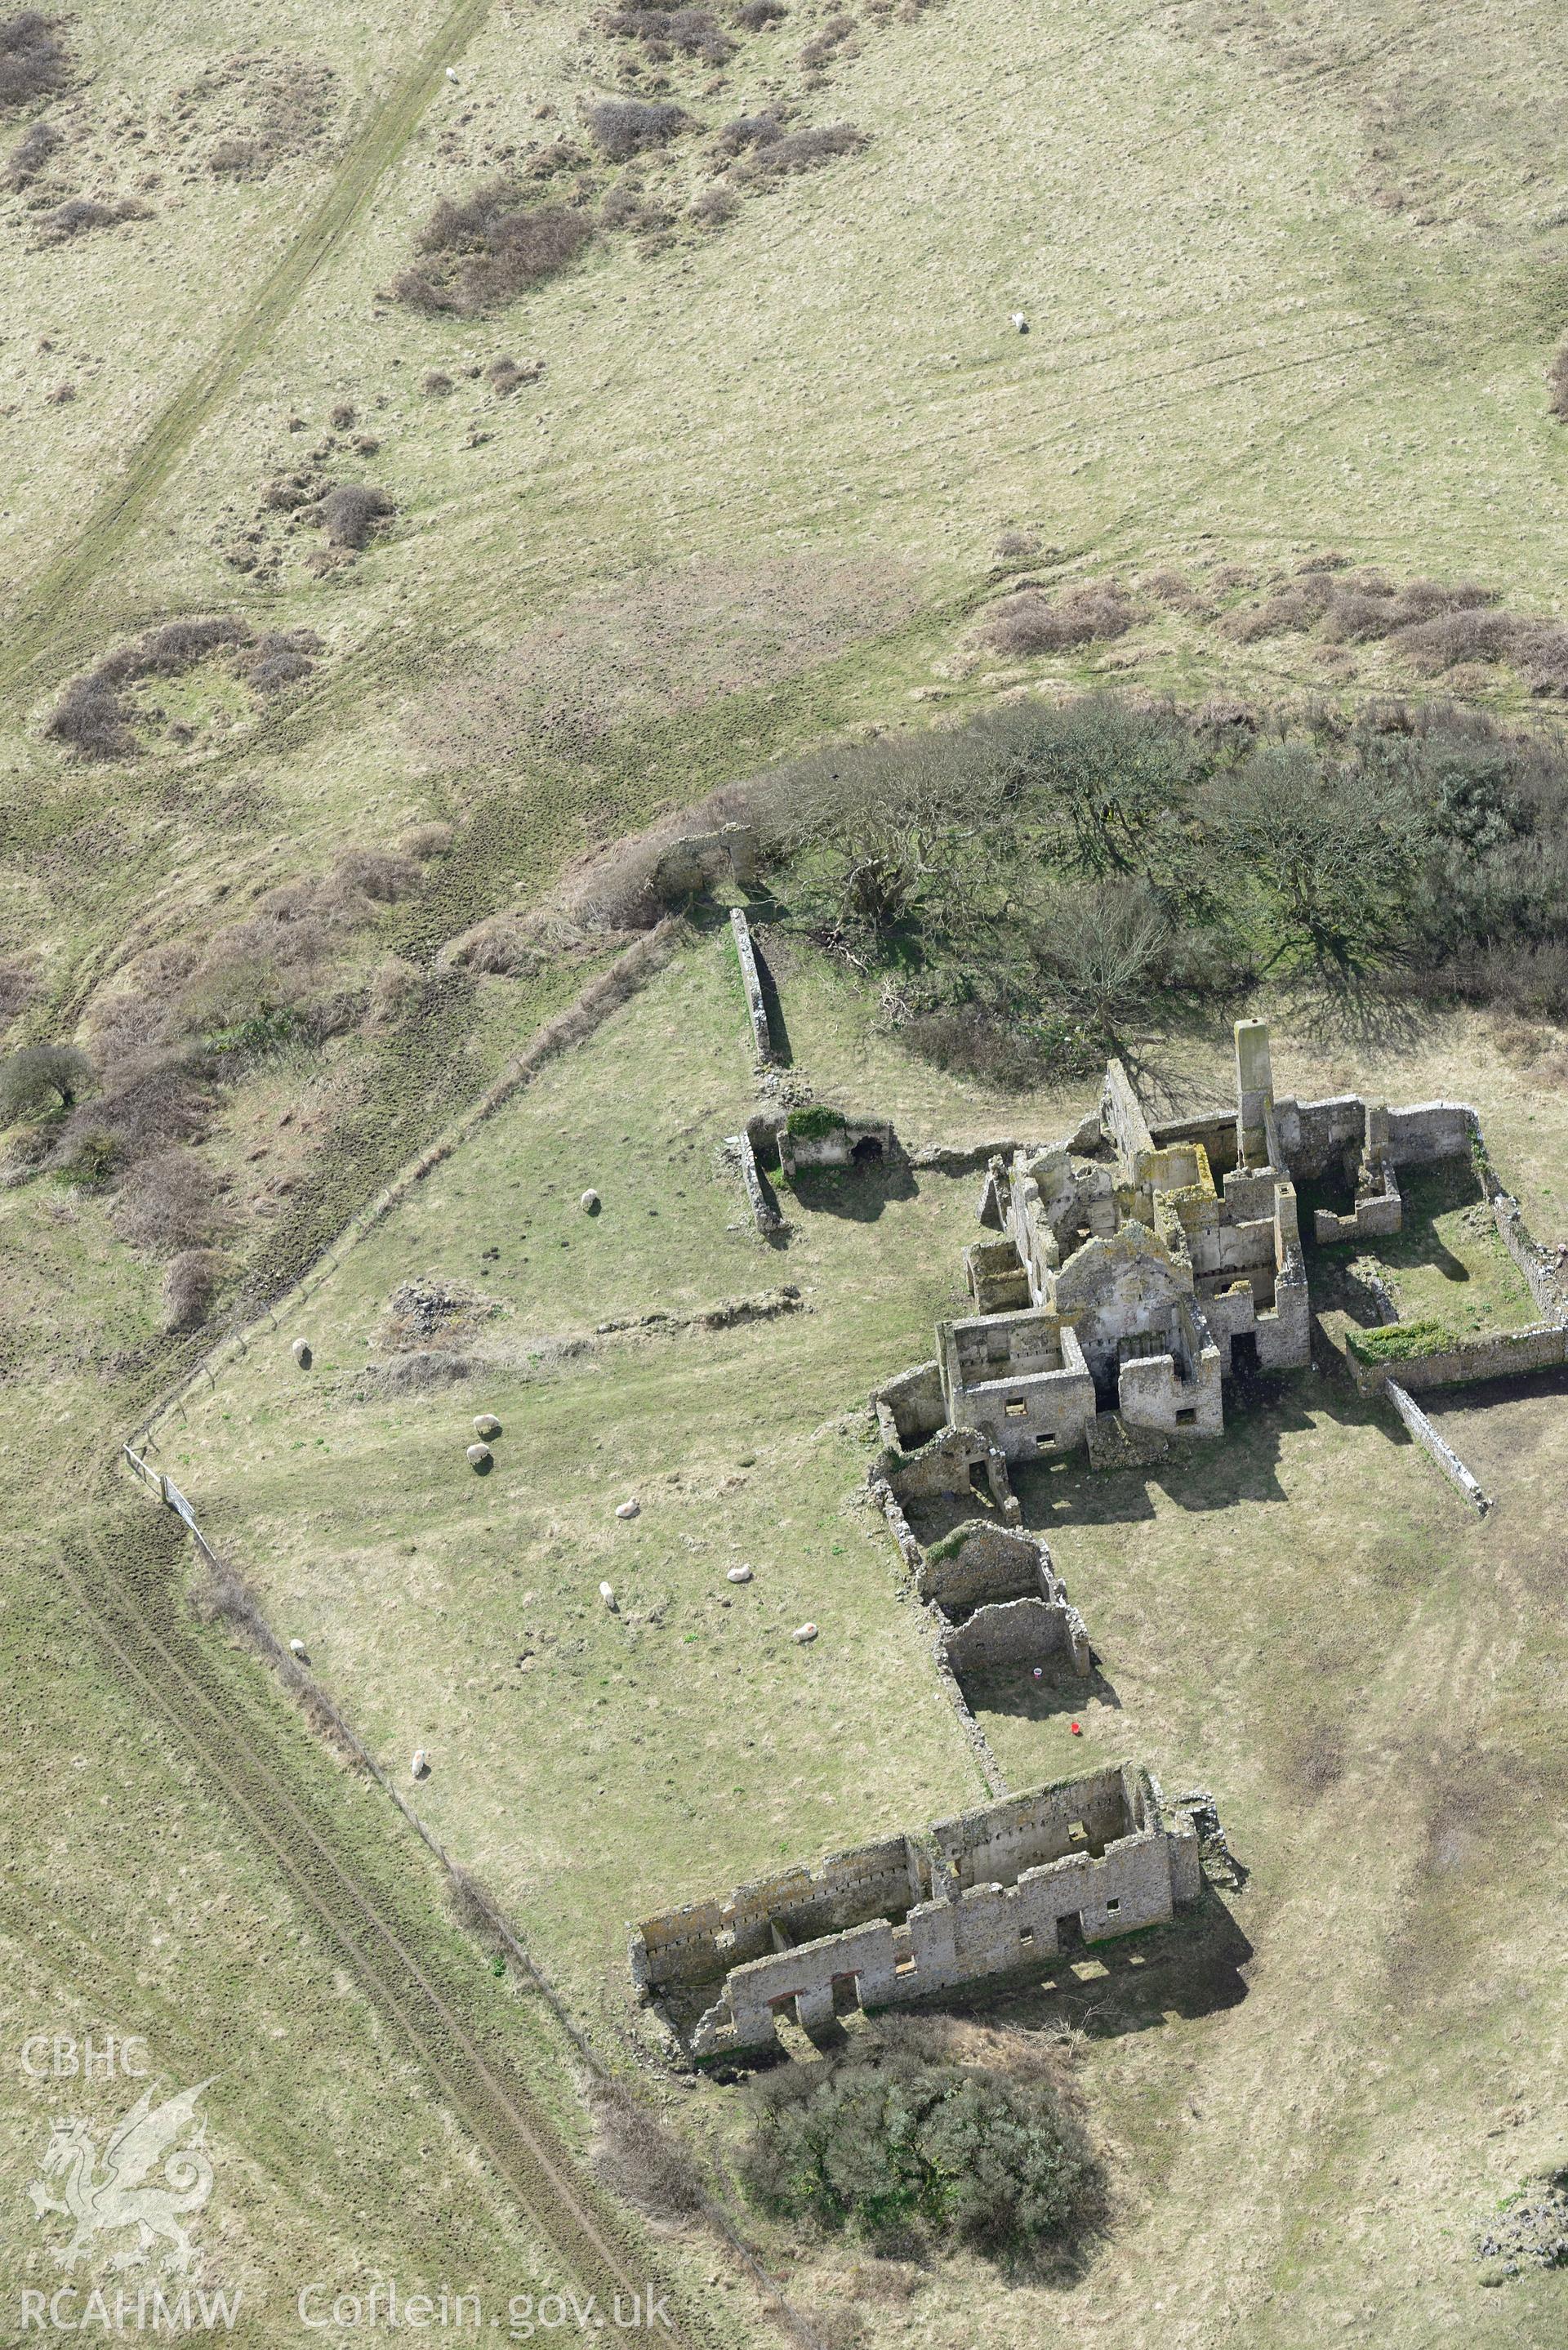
(1076, 1729)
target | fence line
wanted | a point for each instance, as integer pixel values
(297, 1679)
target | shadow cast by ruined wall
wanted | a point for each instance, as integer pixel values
(860, 1194)
(1013, 1690)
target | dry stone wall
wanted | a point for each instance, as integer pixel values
(751, 985)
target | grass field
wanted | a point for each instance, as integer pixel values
(761, 479)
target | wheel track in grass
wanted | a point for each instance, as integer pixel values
(126, 1604)
(46, 604)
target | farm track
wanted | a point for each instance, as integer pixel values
(126, 1604)
(48, 602)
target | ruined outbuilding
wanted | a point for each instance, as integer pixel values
(980, 1894)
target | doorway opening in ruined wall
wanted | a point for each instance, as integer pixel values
(1070, 1930)
(1244, 1363)
(867, 1151)
(846, 1994)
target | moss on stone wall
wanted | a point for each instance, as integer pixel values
(1399, 1342)
(814, 1122)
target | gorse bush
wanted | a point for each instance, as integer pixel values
(624, 126)
(484, 249)
(1557, 383)
(351, 514)
(33, 60)
(899, 2144)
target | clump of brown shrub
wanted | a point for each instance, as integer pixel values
(92, 720)
(625, 207)
(488, 247)
(30, 156)
(624, 126)
(33, 60)
(235, 159)
(287, 493)
(801, 150)
(287, 109)
(351, 514)
(426, 840)
(1032, 622)
(505, 375)
(19, 986)
(640, 2158)
(90, 716)
(749, 131)
(379, 876)
(1557, 381)
(81, 214)
(172, 648)
(715, 205)
(150, 1103)
(279, 658)
(513, 943)
(821, 46)
(755, 14)
(190, 1286)
(665, 33)
(437, 385)
(395, 985)
(166, 1203)
(1433, 625)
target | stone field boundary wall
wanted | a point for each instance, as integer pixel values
(1489, 1354)
(751, 985)
(603, 995)
(1434, 1446)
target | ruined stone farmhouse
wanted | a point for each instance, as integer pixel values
(1133, 1276)
(978, 1895)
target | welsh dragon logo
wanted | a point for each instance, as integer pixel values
(124, 2191)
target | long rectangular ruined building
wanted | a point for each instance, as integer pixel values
(973, 1896)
